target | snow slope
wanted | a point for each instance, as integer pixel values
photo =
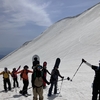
(71, 39)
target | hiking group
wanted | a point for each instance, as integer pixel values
(38, 78)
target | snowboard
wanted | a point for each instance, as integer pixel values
(57, 62)
(34, 63)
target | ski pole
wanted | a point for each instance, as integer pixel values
(76, 72)
(61, 87)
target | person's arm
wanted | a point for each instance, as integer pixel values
(44, 79)
(86, 62)
(60, 75)
(92, 66)
(18, 68)
(18, 72)
(48, 72)
(1, 73)
(29, 71)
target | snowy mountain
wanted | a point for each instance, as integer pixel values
(71, 39)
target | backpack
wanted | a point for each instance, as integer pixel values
(21, 75)
(6, 74)
(38, 81)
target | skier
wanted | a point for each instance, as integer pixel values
(14, 76)
(96, 82)
(54, 79)
(24, 74)
(45, 71)
(37, 82)
(35, 62)
(6, 79)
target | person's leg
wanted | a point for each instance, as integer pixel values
(55, 89)
(94, 92)
(35, 94)
(50, 90)
(5, 87)
(40, 92)
(9, 84)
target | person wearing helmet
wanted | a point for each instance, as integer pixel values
(6, 79)
(45, 71)
(24, 75)
(15, 78)
(96, 82)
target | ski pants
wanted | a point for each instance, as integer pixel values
(96, 91)
(51, 87)
(15, 82)
(25, 86)
(36, 92)
(7, 81)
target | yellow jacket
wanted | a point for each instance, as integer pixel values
(5, 74)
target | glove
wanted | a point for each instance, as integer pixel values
(63, 77)
(48, 83)
(20, 66)
(68, 78)
(83, 61)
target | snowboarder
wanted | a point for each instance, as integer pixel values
(24, 74)
(96, 82)
(45, 71)
(54, 79)
(37, 82)
(6, 79)
(15, 78)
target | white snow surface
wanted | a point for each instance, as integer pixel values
(70, 39)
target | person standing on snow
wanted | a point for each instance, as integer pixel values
(24, 75)
(45, 71)
(15, 78)
(37, 82)
(53, 80)
(96, 82)
(6, 79)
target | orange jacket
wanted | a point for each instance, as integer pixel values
(25, 73)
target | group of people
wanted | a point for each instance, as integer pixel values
(38, 79)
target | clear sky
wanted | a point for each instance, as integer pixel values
(23, 20)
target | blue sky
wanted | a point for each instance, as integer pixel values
(23, 20)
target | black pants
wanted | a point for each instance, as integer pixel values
(51, 87)
(25, 86)
(96, 91)
(7, 81)
(15, 82)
